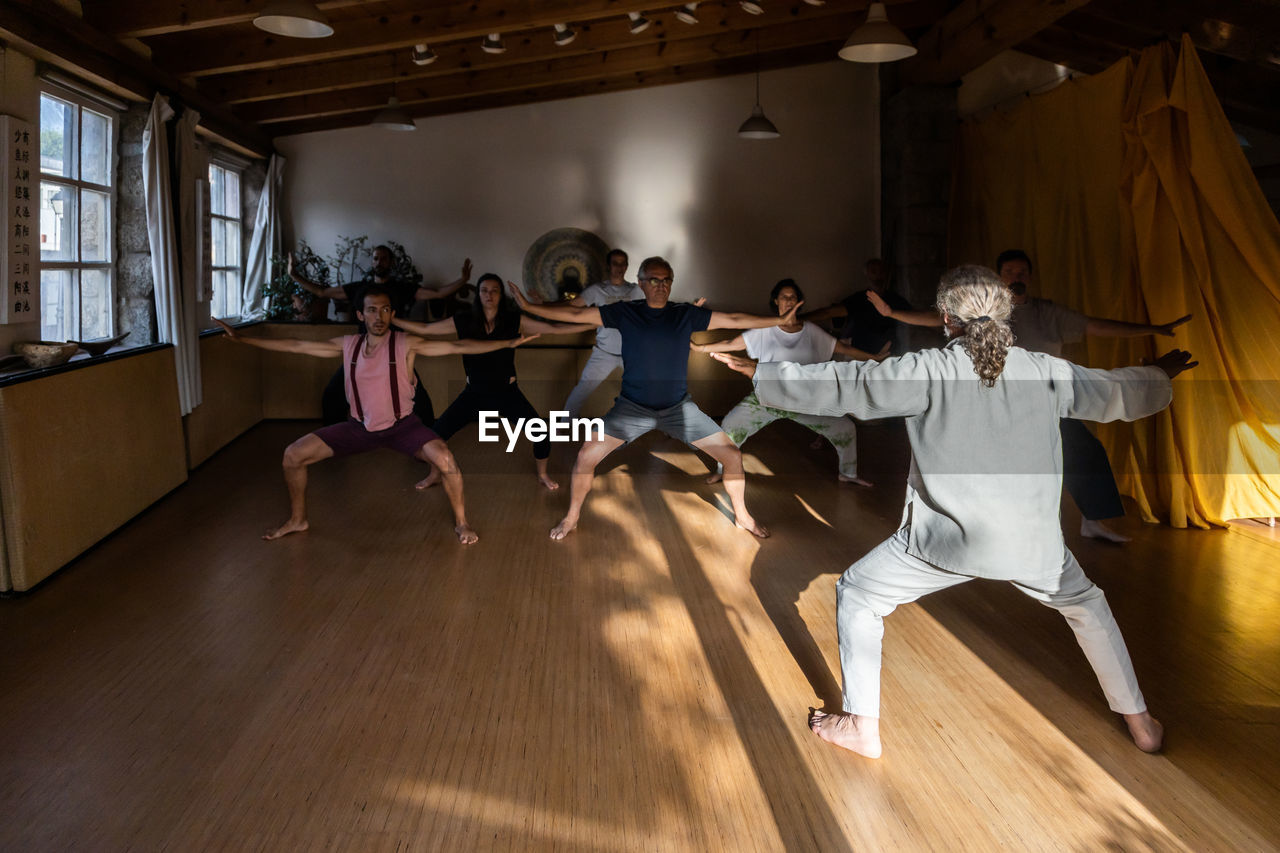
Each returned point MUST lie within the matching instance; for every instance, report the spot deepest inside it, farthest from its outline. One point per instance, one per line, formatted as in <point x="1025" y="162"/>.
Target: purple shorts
<point x="407" y="435"/>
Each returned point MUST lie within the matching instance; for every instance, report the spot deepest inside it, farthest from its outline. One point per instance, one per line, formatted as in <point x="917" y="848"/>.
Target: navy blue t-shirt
<point x="655" y="348"/>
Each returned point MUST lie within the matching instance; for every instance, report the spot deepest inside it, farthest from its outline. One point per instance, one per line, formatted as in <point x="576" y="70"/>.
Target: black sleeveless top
<point x="489" y="368"/>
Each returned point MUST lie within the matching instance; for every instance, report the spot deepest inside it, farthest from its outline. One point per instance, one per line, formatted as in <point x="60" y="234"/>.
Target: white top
<point x="605" y="293"/>
<point x="986" y="463"/>
<point x="808" y="346"/>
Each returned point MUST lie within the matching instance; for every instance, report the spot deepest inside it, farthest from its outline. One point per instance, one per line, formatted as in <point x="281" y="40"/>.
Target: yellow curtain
<point x="1130" y="192"/>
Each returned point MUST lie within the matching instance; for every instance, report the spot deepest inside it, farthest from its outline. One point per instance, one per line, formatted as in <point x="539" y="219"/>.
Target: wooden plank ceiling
<point x="269" y="85"/>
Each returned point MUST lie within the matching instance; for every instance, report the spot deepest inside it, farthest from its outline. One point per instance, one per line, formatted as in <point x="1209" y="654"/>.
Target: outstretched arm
<point x="738" y="320"/>
<point x="1121" y="329"/>
<point x="542" y="327"/>
<point x="467" y="347"/>
<point x="1126" y="393"/>
<point x="831" y="311"/>
<point x="321" y="349"/>
<point x="313" y="288"/>
<point x="859" y="355"/>
<point x="731" y="345"/>
<point x="447" y="289"/>
<point x="911" y="318"/>
<point x="439" y="327"/>
<point x="585" y="314"/>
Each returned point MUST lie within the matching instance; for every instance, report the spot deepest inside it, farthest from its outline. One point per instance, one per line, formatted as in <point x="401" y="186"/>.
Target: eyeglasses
<point x="653" y="279"/>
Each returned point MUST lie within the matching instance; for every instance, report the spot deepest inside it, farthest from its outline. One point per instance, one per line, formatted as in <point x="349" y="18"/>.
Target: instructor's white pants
<point x="888" y="576"/>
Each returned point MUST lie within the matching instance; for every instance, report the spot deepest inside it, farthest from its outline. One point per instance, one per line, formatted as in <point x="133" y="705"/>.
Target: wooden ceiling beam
<point x="243" y="47"/>
<point x="661" y="77"/>
<point x="142" y="18"/>
<point x="49" y="32"/>
<point x="600" y="37"/>
<point x="1248" y="31"/>
<point x="583" y="68"/>
<point x="977" y="30"/>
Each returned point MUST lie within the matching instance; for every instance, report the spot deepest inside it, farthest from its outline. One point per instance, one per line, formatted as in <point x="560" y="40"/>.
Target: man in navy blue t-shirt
<point x="655" y="393"/>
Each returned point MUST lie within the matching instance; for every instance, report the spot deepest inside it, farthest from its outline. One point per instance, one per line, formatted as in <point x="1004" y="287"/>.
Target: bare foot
<point x="285" y="529"/>
<point x="1098" y="530"/>
<point x="857" y="734"/>
<point x="466" y="535"/>
<point x="714" y="478"/>
<point x="430" y="480"/>
<point x="1146" y="731"/>
<point x="564" y="528"/>
<point x="550" y="484"/>
<point x="752" y="526"/>
<point x="857" y="481"/>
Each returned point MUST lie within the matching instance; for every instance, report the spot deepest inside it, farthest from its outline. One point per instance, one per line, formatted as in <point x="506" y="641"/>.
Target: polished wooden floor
<point x="371" y="685"/>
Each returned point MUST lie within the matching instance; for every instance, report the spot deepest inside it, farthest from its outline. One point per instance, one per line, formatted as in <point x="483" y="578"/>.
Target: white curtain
<point x="265" y="243"/>
<point x="175" y="306"/>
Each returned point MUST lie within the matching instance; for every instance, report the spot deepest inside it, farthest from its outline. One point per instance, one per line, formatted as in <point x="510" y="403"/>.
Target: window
<point x="77" y="203"/>
<point x="224" y="242"/>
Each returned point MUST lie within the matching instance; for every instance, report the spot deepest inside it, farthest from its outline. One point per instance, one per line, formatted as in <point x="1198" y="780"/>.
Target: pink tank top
<point x="379" y="387"/>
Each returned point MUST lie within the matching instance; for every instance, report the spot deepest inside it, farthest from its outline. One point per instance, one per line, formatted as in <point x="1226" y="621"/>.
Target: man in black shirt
<point x="333" y="403"/>
<point x="864" y="327"/>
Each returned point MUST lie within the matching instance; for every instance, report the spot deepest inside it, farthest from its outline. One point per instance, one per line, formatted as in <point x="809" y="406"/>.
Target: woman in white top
<point x="801" y="343"/>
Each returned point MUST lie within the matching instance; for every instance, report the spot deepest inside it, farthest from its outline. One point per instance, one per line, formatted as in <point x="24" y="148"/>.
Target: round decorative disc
<point x="564" y="261"/>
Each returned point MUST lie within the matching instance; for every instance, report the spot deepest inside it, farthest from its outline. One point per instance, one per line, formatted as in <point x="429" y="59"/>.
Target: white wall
<point x="655" y="171"/>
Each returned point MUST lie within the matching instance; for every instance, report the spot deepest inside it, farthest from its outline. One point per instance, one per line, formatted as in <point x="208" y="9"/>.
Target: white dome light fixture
<point x="423" y="54"/>
<point x="299" y="19"/>
<point x="750" y="7"/>
<point x="686" y="14"/>
<point x="758" y="126"/>
<point x="877" y="40"/>
<point x="493" y="44"/>
<point x="393" y="117"/>
<point x="564" y="35"/>
<point x="639" y="23"/>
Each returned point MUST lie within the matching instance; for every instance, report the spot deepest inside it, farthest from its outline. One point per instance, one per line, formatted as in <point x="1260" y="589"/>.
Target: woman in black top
<point x="491" y="381"/>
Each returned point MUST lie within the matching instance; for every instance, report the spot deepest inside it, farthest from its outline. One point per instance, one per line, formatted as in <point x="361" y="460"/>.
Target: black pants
<point x="1086" y="472"/>
<point x="507" y="400"/>
<point x="334" y="408"/>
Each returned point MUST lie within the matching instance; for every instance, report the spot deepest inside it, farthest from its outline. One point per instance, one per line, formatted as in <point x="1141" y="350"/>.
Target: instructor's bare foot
<point x="290" y="526"/>
<point x="854" y="733"/>
<point x="1146" y="731"/>
<point x="430" y="480"/>
<point x="564" y="528"/>
<point x="1098" y="530"/>
<point x="849" y="730"/>
<point x="714" y="478"/>
<point x="749" y="524"/>
<point x="857" y="481"/>
<point x="466" y="535"/>
<point x="549" y="484"/>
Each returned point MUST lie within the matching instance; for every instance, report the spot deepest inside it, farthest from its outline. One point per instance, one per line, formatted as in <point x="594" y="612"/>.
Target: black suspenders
<point x="391" y="372"/>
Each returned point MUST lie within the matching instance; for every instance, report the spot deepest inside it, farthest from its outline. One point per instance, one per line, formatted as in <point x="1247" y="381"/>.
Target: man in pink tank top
<point x="380" y="383"/>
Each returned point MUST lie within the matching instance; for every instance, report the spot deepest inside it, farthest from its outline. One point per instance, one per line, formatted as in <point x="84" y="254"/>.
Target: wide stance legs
<point x="888" y="576"/>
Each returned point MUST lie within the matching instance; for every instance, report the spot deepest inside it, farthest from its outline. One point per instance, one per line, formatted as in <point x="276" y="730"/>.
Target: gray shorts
<point x="684" y="421"/>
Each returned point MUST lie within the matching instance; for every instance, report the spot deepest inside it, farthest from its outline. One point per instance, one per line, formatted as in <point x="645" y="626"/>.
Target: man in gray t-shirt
<point x="606" y="355"/>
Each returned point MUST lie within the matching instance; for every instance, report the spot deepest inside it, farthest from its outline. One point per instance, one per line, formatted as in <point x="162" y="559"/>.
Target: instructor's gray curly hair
<point x="975" y="298"/>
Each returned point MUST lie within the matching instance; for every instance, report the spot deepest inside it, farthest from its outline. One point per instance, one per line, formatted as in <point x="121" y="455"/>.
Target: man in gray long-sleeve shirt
<point x="982" y="419"/>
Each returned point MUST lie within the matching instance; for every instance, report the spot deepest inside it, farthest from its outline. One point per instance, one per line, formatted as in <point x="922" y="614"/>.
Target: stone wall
<point x="135" y="292"/>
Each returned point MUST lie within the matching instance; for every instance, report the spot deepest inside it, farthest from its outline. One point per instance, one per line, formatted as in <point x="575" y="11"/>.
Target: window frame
<point x="72" y="325"/>
<point x="228" y="167"/>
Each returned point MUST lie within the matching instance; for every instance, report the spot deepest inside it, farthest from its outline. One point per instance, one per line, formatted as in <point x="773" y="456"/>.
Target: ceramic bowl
<point x="45" y="353"/>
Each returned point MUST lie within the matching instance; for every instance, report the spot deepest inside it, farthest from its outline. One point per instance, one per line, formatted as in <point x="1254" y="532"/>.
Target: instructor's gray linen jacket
<point x="986" y="463"/>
